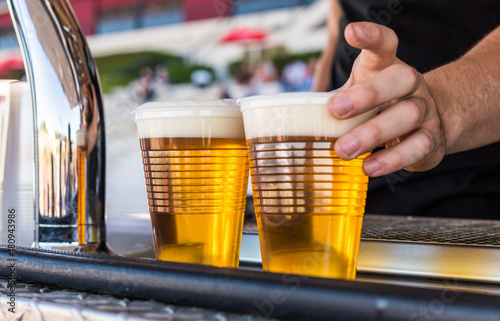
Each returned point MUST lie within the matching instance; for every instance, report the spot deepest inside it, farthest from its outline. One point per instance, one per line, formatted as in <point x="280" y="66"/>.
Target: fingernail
<point x="359" y="32"/>
<point x="342" y="104"/>
<point x="371" y="166"/>
<point x="349" y="144"/>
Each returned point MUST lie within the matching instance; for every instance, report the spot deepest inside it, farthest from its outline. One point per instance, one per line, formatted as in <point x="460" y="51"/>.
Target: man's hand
<point x="408" y="122"/>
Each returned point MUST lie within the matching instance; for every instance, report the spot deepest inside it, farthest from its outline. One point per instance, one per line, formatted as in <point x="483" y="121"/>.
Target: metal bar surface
<point x="274" y="295"/>
<point x="461" y="249"/>
<point x="464" y="262"/>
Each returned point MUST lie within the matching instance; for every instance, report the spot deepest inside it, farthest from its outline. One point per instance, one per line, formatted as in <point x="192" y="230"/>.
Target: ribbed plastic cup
<point x="309" y="203"/>
<point x="196" y="169"/>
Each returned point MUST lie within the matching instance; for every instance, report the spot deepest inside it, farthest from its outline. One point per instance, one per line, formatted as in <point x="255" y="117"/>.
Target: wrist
<point x="436" y="81"/>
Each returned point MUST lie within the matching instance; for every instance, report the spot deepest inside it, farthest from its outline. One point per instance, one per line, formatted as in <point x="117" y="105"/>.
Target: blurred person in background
<point x="294" y="76"/>
<point x="311" y="65"/>
<point x="161" y="82"/>
<point x="144" y="86"/>
<point x="439" y="96"/>
<point x="245" y="80"/>
<point x="265" y="71"/>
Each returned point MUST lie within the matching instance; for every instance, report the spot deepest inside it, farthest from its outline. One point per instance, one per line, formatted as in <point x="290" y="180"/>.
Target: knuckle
<point x="387" y="33"/>
<point x="415" y="111"/>
<point x="368" y="93"/>
<point x="372" y="133"/>
<point x="411" y="77"/>
<point x="425" y="142"/>
<point x="395" y="159"/>
<point x="400" y="159"/>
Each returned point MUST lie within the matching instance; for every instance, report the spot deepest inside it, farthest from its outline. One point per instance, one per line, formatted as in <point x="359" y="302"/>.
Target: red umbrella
<point x="245" y="36"/>
<point x="11" y="63"/>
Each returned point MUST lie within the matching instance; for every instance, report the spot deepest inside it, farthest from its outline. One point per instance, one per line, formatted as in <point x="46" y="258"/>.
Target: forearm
<point x="467" y="96"/>
<point x="323" y="68"/>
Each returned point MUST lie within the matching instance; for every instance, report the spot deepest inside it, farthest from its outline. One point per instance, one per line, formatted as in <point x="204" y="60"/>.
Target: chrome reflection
<point x="68" y="126"/>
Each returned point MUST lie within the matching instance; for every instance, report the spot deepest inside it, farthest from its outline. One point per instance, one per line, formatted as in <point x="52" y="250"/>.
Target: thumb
<point x="378" y="46"/>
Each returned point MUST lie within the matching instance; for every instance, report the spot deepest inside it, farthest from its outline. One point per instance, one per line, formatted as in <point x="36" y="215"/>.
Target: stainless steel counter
<point x="425" y="269"/>
<point x="419" y="247"/>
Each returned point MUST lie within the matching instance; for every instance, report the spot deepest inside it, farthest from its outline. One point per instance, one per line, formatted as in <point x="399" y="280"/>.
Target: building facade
<point x="108" y="16"/>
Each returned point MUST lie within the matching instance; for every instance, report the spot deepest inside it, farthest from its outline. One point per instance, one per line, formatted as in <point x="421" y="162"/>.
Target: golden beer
<point x="309" y="203"/>
<point x="196" y="188"/>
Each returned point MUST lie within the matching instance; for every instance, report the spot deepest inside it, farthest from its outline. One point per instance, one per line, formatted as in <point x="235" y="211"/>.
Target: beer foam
<point x="204" y="118"/>
<point x="294" y="114"/>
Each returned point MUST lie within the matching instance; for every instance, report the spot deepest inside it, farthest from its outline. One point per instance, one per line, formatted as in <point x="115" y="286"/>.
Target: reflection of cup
<point x="196" y="168"/>
<point x="16" y="164"/>
<point x="309" y="203"/>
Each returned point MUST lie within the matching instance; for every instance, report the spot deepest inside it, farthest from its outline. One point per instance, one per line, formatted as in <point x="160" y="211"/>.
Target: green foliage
<point x="234" y="67"/>
<point x="181" y="73"/>
<point x="121" y="69"/>
<point x="281" y="59"/>
<point x="133" y="62"/>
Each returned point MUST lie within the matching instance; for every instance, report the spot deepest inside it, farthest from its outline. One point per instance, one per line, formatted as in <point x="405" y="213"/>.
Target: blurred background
<point x="179" y="49"/>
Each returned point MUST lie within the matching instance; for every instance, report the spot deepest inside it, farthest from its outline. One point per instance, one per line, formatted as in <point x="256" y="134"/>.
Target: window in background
<point x="162" y="13"/>
<point x="249" y="6"/>
<point x="8" y="39"/>
<point x="117" y="20"/>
